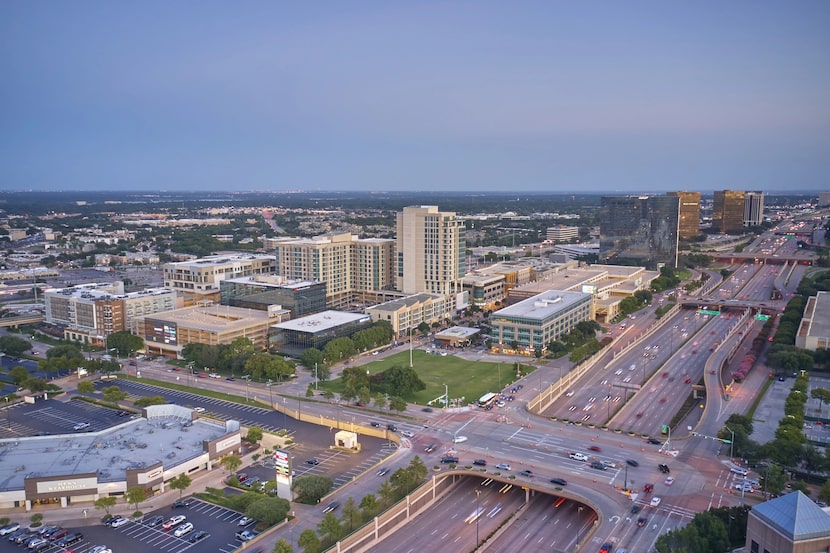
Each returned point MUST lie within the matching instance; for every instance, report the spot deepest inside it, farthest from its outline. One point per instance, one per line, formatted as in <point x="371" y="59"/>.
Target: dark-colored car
<point x="449" y="459"/>
<point x="391" y="427"/>
<point x="664" y="468"/>
<point x="559" y="481"/>
<point x="641" y="521"/>
<point x="155" y="521"/>
<point x="632" y="463"/>
<point x="70" y="539"/>
<point x="480" y="462"/>
<point x="597" y="465"/>
<point x="595" y="448"/>
<point x="198" y="536"/>
<point x="427" y="409"/>
<point x="182" y="503"/>
<point x="654" y="441"/>
<point x="606" y="548"/>
<point x="527" y="473"/>
<point x="636" y="509"/>
<point x="313" y="461"/>
<point x="430" y="448"/>
<point x="331" y="507"/>
<point x="375" y="424"/>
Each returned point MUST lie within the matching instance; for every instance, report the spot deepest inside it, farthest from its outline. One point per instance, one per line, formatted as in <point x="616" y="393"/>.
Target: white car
<point x="199" y="409"/>
<point x="185" y="528"/>
<point x="81" y="426"/>
<point x="655" y="501"/>
<point x="100" y="549"/>
<point x="245" y="521"/>
<point x="407" y="433"/>
<point x="503" y="466"/>
<point x="118" y="522"/>
<point x="459" y="439"/>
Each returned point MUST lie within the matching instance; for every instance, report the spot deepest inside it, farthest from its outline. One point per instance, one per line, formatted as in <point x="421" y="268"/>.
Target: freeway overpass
<point x="802" y="257"/>
<point x="18" y="320"/>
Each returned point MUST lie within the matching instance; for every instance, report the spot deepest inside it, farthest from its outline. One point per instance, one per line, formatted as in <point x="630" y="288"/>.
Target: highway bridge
<point x="18" y="320"/>
<point x="801" y="257"/>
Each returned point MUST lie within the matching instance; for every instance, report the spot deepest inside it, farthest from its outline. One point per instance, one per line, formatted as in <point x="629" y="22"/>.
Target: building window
<point x="753" y="547"/>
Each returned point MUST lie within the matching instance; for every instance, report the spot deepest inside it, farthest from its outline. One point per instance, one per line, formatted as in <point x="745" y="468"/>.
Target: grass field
<point x="468" y="379"/>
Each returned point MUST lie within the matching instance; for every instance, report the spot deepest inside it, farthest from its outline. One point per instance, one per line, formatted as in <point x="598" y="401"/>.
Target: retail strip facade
<point x="167" y="441"/>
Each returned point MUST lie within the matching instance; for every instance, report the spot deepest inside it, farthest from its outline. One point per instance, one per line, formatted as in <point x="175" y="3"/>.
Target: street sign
<point x="761" y="317"/>
<point x="707" y="312"/>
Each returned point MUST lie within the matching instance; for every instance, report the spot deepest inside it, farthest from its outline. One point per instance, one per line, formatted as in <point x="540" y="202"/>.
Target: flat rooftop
<point x="321" y="321"/>
<point x="541" y="306"/>
<point x="134" y="444"/>
<point x="216" y="318"/>
<point x="408" y="301"/>
<point x="458" y="332"/>
<point x="820" y="321"/>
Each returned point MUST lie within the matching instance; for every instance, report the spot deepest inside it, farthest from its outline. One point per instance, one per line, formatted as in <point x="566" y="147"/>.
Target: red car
<point x="595" y="448"/>
<point x="687" y="381"/>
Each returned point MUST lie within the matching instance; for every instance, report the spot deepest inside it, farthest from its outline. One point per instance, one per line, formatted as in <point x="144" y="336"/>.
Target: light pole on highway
<point x="578" y="525"/>
<point x="731" y="443"/>
<point x="478" y="493"/>
<point x="284" y="409"/>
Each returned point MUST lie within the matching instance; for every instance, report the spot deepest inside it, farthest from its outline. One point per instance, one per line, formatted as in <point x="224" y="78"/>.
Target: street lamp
<point x="478" y="493"/>
<point x="315" y="377"/>
<point x="731" y="443"/>
<point x="270" y="393"/>
<point x="578" y="525"/>
<point x="284" y="409"/>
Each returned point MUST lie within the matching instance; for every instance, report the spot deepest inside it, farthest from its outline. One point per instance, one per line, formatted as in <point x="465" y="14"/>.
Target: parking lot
<point x="51" y="417"/>
<point x="140" y="537"/>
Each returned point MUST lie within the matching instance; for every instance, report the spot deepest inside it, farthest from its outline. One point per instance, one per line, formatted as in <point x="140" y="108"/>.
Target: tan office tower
<point x="431" y="250"/>
<point x="753" y="208"/>
<point x="689" y="224"/>
<point x="728" y="211"/>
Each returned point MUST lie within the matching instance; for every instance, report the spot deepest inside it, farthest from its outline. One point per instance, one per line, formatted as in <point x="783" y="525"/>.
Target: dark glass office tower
<point x="641" y="230"/>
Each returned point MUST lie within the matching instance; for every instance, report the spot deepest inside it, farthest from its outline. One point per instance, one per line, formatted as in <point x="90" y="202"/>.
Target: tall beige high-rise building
<point x="728" y="211"/>
<point x="689" y="223"/>
<point x="347" y="264"/>
<point x="431" y="251"/>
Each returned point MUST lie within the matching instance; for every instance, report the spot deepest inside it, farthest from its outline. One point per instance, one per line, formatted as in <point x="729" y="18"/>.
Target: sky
<point x="595" y="96"/>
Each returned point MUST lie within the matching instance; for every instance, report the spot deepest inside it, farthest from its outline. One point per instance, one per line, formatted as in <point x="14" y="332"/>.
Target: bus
<point x="487" y="400"/>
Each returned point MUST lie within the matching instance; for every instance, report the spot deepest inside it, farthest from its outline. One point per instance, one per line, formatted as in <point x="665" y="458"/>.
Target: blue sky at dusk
<point x="595" y="96"/>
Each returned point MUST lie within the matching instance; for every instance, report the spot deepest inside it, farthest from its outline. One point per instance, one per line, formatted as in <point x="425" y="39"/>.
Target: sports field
<point x="467" y="379"/>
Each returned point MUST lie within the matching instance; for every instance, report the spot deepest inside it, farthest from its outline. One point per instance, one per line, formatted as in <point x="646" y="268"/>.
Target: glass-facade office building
<point x="641" y="230"/>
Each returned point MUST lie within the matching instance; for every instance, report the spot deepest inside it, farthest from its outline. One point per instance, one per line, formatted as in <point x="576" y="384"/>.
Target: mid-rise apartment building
<point x="430" y="251"/>
<point x="562" y="233"/>
<point x="198" y="280"/>
<point x="89" y="313"/>
<point x="349" y="266"/>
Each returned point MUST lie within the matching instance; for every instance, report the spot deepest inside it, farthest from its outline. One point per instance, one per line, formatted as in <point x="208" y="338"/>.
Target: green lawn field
<point x="467" y="379"/>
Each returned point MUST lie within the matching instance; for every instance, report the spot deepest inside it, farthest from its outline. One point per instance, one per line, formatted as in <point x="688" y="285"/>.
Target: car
<point x="459" y="439"/>
<point x="664" y="468"/>
<point x="155" y="521"/>
<point x="80" y="426"/>
<point x="313" y="461"/>
<point x="641" y="521"/>
<point x="123" y="414"/>
<point x="242" y="476"/>
<point x="9" y="528"/>
<point x="185" y="528"/>
<point x="391" y="427"/>
<point x="71" y="539"/>
<point x="100" y="549"/>
<point x="687" y="381"/>
<point x="230" y="378"/>
<point x="245" y="535"/>
<point x="632" y="463"/>
<point x="57" y="534"/>
<point x="407" y="433"/>
<point x="527" y="473"/>
<point x="669" y="481"/>
<point x="331" y="507"/>
<point x="214" y="375"/>
<point x="595" y="448"/>
<point x="199" y="409"/>
<point x="383" y="472"/>
<point x="427" y="409"/>
<point x="480" y="462"/>
<point x="430" y="448"/>
<point x="375" y="424"/>
<point x="739" y="470"/>
<point x="117" y="522"/>
<point x="503" y="466"/>
<point x="578" y="456"/>
<point x="182" y="503"/>
<point x="635" y="509"/>
<point x="174" y="521"/>
<point x="21" y="535"/>
<point x="449" y="459"/>
<point x="655" y="501"/>
<point x="38" y="543"/>
<point x="202" y="375"/>
<point x="606" y="547"/>
<point x="609" y="464"/>
<point x="654" y="441"/>
<point x="559" y="481"/>
<point x="198" y="536"/>
<point x="597" y="465"/>
<point x="648" y="488"/>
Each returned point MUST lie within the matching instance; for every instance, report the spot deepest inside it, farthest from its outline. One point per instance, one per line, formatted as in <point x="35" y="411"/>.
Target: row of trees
<point x="353" y="514"/>
<point x="240" y="357"/>
<point x="335" y="351"/>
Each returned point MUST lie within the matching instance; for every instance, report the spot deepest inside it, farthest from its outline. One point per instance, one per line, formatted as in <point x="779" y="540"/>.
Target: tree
<point x="309" y="541"/>
<point x="254" y="435"/>
<point x="282" y="546"/>
<point x="369" y="505"/>
<point x="423" y="328"/>
<point x="774" y="480"/>
<point x="14" y="346"/>
<point x="19" y="374"/>
<point x="352" y="514"/>
<point x="105" y="503"/>
<point x="824" y="492"/>
<point x="69" y="351"/>
<point x="821" y="394"/>
<point x="114" y="394"/>
<point x="397" y="403"/>
<point x="180" y="482"/>
<point x="147" y="401"/>
<point x="230" y="462"/>
<point x="124" y="343"/>
<point x="86" y="387"/>
<point x="310" y="357"/>
<point x="268" y="510"/>
<point x="310" y="489"/>
<point x="135" y="495"/>
<point x="34" y="385"/>
<point x="330" y="527"/>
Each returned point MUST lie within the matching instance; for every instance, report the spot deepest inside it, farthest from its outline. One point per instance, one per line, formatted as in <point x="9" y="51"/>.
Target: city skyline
<point x="632" y="98"/>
